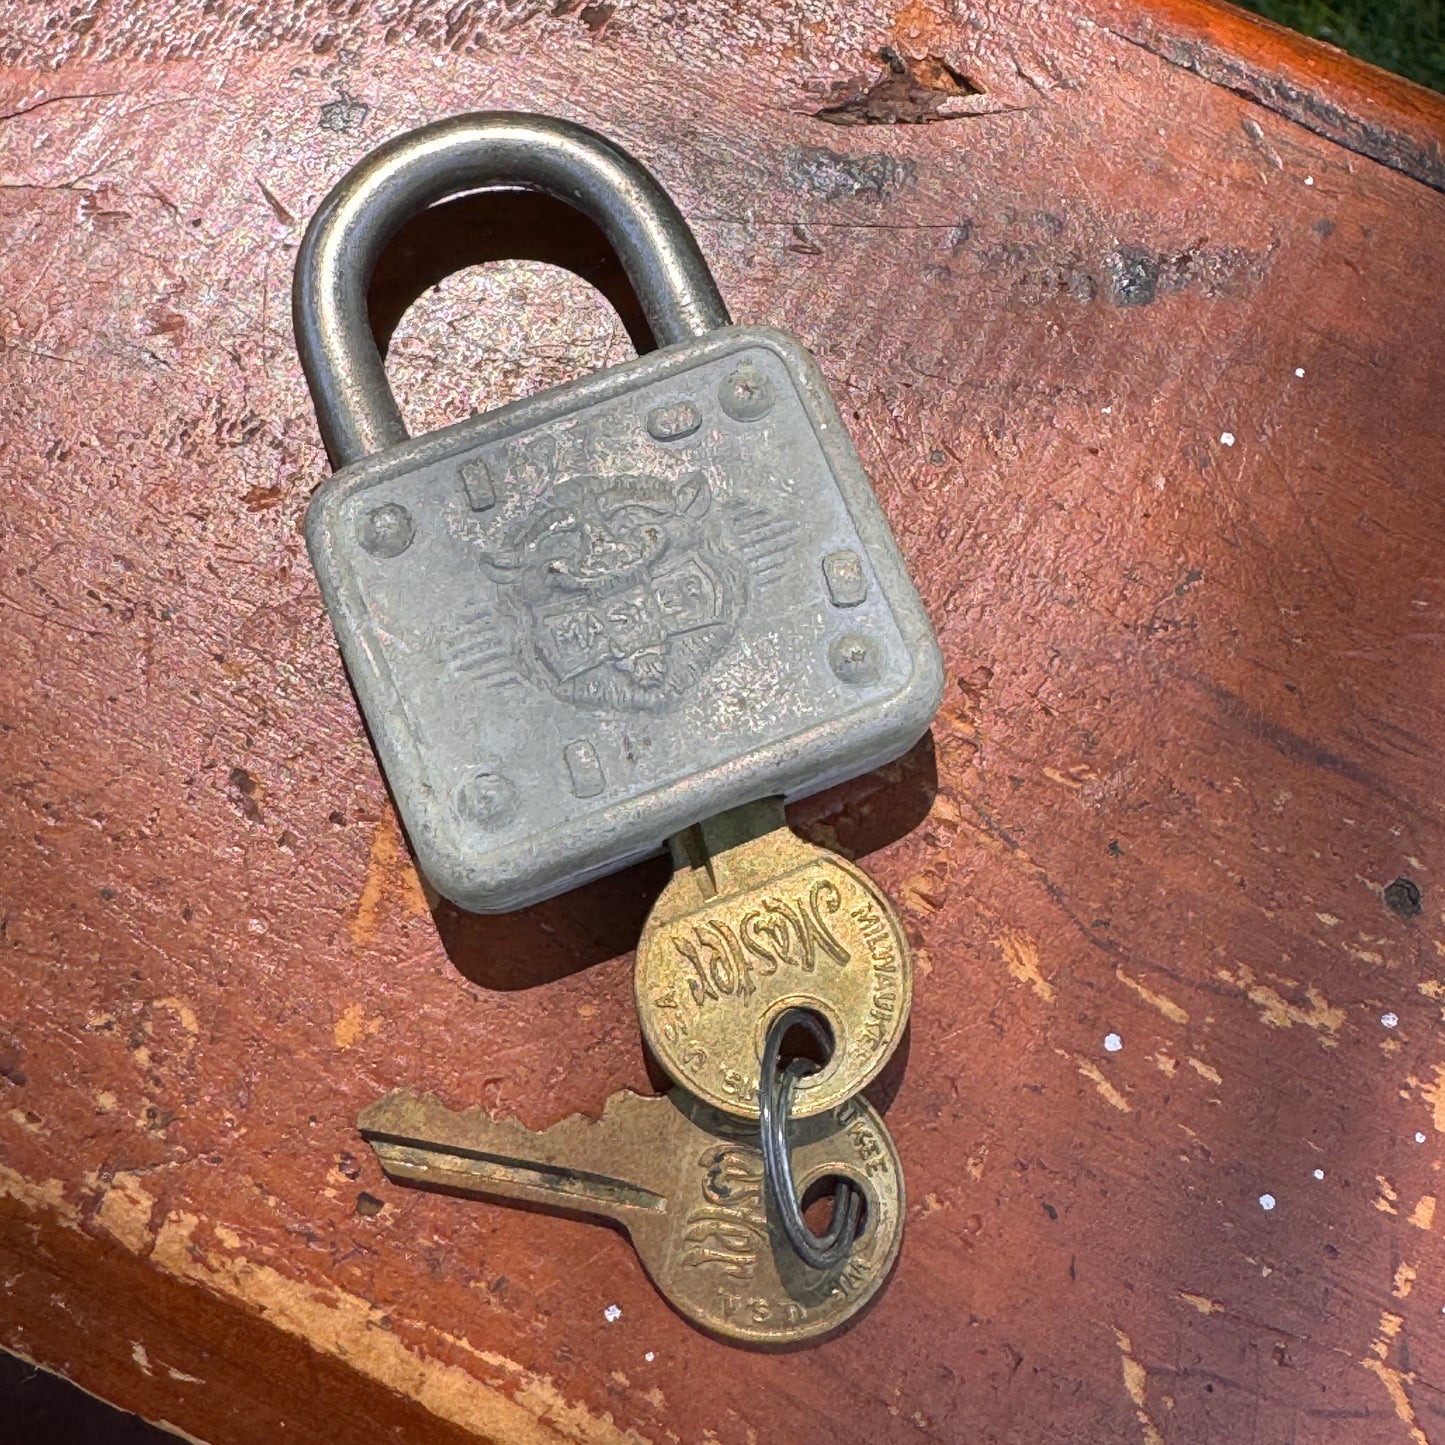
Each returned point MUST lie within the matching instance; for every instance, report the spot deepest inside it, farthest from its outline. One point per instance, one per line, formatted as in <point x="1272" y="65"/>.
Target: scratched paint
<point x="1174" y="1012"/>
<point x="1095" y="1076"/>
<point x="1136" y="1381"/>
<point x="1433" y="989"/>
<point x="125" y="1211"/>
<point x="1278" y="1012"/>
<point x="1202" y="1303"/>
<point x="353" y="1026"/>
<point x="390" y="876"/>
<point x="1021" y="958"/>
<point x="1432" y="1091"/>
<point x="1394" y="1380"/>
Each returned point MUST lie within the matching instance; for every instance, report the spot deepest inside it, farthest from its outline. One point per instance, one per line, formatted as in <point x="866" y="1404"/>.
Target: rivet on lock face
<point x="477" y="483"/>
<point x="856" y="659"/>
<point x="746" y="394"/>
<point x="673" y="422"/>
<point x="845" y="578"/>
<point x="387" y="531"/>
<point x="486" y="800"/>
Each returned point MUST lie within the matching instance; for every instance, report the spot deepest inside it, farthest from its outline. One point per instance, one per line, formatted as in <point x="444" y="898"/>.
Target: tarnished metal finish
<point x="354" y="404"/>
<point x="755" y="922"/>
<point x="780" y="1081"/>
<point x="571" y="640"/>
<point x="686" y="1183"/>
<point x="582" y="622"/>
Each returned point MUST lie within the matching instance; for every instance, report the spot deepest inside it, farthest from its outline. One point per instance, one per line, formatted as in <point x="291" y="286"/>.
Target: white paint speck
<point x="649" y="1357"/>
<point x="1107" y="410"/>
<point x="1419" y="1137"/>
<point x="1266" y="1202"/>
<point x="1113" y="1043"/>
<point x="1309" y="180"/>
<point x="612" y="1314"/>
<point x="1319" y="1173"/>
<point x="1226" y="438"/>
<point x="1389" y="1020"/>
<point x="1299" y="371"/>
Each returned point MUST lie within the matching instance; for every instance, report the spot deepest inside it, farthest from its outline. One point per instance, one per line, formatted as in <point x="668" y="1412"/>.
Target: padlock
<point x="592" y="618"/>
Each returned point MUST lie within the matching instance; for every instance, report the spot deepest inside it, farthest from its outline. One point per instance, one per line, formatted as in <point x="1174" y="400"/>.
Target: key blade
<point x="570" y="1166"/>
<point x="721" y="854"/>
<point x="490" y="1176"/>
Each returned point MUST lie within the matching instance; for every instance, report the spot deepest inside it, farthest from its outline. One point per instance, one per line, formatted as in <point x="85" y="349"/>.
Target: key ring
<point x="775" y="1102"/>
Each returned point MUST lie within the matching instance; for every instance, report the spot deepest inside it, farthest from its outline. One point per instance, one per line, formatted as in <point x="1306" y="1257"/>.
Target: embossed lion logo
<point x="626" y="587"/>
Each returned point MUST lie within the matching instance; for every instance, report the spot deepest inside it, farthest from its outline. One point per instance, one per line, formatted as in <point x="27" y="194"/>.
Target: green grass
<point x="1405" y="36"/>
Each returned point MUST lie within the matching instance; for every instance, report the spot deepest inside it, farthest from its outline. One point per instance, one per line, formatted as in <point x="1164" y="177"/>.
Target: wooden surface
<point x="1148" y="375"/>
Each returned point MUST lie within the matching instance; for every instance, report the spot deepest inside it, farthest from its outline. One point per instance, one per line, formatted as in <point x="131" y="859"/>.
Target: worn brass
<point x="755" y="921"/>
<point x="686" y="1184"/>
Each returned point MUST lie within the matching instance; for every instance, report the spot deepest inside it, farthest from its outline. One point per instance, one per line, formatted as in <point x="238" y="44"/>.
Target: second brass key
<point x="686" y="1183"/>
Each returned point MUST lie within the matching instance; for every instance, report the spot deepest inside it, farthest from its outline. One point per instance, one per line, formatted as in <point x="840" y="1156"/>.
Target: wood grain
<point x="1148" y="377"/>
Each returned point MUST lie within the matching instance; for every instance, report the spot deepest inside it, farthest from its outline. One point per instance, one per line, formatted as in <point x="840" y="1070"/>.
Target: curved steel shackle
<point x="354" y="403"/>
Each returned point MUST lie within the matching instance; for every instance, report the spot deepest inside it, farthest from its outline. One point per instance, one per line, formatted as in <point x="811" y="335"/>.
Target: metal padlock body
<point x="585" y="621"/>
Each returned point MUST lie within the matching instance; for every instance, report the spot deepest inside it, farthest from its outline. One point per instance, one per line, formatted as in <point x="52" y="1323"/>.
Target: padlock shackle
<point x="364" y="210"/>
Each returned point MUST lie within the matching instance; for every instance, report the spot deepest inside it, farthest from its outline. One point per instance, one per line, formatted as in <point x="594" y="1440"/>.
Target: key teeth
<point x="407" y="1113"/>
<point x="396" y="1107"/>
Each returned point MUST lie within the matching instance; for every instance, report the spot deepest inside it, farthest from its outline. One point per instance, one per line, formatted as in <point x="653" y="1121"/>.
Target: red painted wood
<point x="1191" y="603"/>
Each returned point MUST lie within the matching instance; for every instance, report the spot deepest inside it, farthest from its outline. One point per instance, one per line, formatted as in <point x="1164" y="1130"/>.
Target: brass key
<point x="686" y="1184"/>
<point x="756" y="921"/>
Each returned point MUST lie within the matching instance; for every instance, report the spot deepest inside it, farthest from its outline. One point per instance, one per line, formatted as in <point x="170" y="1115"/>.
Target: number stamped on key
<point x="756" y="921"/>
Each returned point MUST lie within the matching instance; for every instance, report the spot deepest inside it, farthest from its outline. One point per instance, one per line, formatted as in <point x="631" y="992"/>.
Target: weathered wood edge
<point x="1357" y="105"/>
